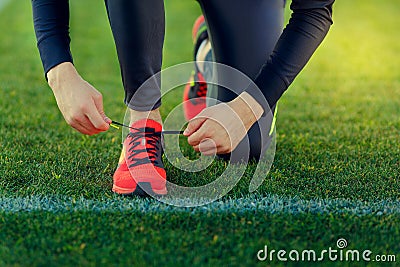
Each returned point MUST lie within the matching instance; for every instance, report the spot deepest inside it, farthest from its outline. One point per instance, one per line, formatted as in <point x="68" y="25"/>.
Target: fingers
<point x="208" y="142"/>
<point x="209" y="132"/>
<point x="194" y="129"/>
<point x="83" y="128"/>
<point x="202" y="132"/>
<point x="194" y="125"/>
<point x="82" y="124"/>
<point x="97" y="120"/>
<point x="88" y="120"/>
<point x="207" y="147"/>
<point x="94" y="120"/>
<point x="98" y="101"/>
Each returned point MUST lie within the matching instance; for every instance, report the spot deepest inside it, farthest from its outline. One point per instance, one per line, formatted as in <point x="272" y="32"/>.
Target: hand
<point x="220" y="128"/>
<point x="79" y="102"/>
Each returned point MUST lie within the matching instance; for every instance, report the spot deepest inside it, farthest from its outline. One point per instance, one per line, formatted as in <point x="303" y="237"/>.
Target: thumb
<point x="194" y="125"/>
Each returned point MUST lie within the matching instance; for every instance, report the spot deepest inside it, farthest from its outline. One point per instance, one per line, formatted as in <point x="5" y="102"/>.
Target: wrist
<point x="60" y="74"/>
<point x="247" y="108"/>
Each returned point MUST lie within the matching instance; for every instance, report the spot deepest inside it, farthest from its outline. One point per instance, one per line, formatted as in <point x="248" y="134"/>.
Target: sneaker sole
<point x="143" y="189"/>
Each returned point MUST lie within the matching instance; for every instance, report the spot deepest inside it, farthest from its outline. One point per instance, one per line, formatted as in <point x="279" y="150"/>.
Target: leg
<point x="138" y="28"/>
<point x="243" y="35"/>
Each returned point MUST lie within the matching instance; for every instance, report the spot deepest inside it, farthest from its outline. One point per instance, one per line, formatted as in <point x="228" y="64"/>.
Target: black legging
<point x="138" y="27"/>
<point x="243" y="36"/>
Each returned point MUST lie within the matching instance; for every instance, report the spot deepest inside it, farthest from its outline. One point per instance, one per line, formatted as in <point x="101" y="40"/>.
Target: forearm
<point x="51" y="22"/>
<point x="306" y="30"/>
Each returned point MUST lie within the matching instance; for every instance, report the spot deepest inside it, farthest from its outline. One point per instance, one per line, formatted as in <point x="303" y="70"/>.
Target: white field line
<point x="271" y="204"/>
<point x="3" y="4"/>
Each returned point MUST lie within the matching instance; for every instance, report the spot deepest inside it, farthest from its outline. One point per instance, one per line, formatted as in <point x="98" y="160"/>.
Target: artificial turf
<point x="338" y="135"/>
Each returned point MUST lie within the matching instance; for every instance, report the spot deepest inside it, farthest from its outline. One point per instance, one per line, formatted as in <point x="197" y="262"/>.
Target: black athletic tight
<point x="243" y="36"/>
<point x="138" y="27"/>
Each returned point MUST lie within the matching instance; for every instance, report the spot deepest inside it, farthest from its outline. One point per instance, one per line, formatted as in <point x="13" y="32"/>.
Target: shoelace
<point x="202" y="91"/>
<point x="115" y="124"/>
<point x="152" y="141"/>
<point x="198" y="90"/>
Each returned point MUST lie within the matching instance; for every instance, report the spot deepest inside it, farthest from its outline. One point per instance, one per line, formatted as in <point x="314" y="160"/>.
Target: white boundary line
<point x="270" y="204"/>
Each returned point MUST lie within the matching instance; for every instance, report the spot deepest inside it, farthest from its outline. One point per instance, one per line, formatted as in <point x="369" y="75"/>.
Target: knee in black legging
<point x="243" y="35"/>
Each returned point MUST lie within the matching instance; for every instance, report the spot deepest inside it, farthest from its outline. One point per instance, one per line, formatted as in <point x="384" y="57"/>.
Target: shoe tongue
<point x="145" y="124"/>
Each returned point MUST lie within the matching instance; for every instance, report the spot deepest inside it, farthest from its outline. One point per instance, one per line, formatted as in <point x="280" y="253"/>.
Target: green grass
<point x="337" y="138"/>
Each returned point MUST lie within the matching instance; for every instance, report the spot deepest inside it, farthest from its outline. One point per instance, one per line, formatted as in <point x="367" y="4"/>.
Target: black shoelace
<point x="114" y="123"/>
<point x="151" y="140"/>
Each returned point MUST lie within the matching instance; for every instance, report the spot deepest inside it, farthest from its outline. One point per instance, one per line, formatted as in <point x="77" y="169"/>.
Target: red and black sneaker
<point x="199" y="31"/>
<point x="140" y="170"/>
<point x="194" y="96"/>
<point x="195" y="92"/>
